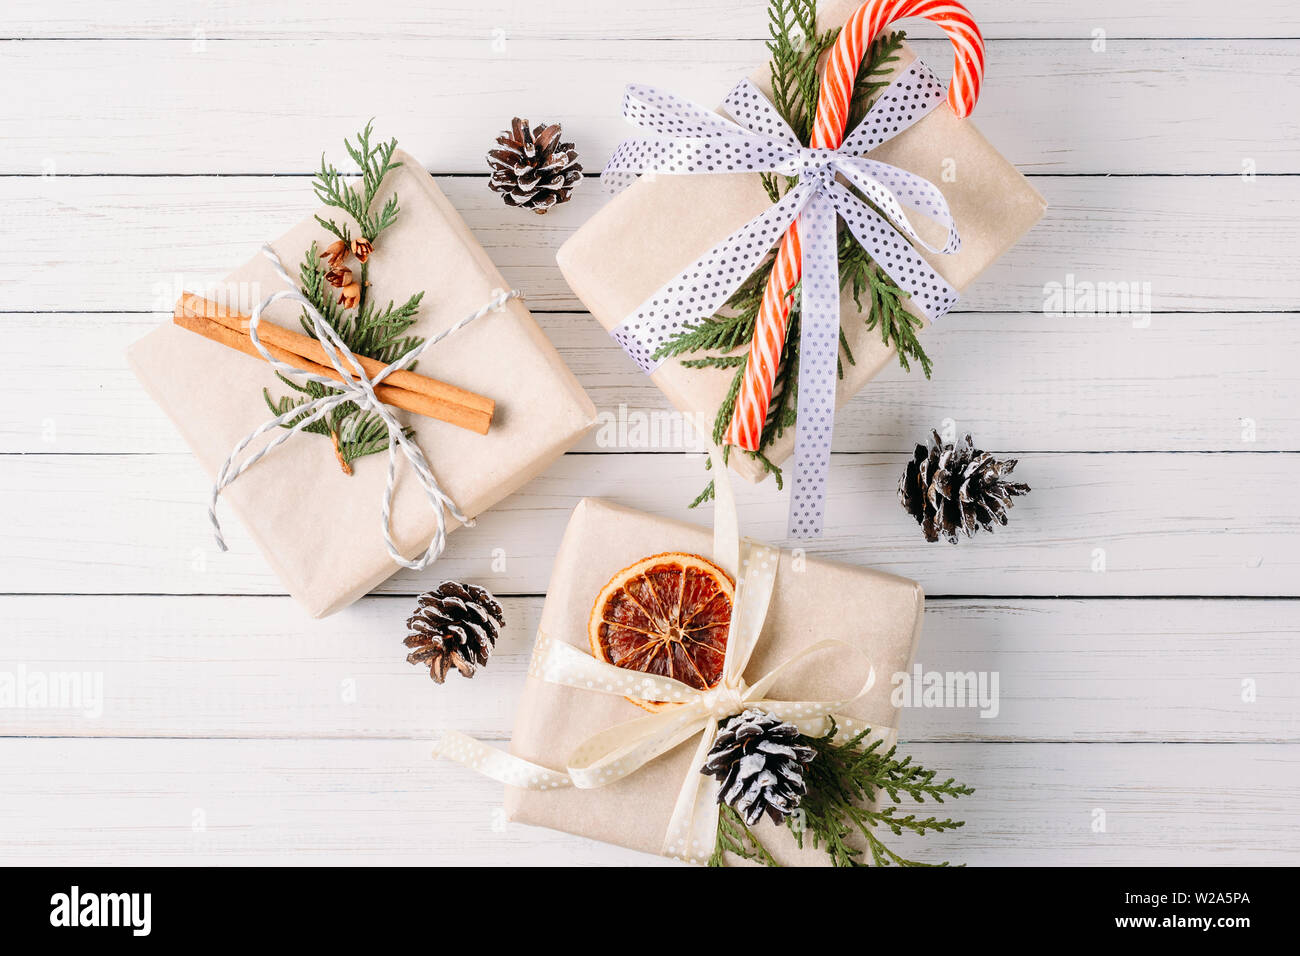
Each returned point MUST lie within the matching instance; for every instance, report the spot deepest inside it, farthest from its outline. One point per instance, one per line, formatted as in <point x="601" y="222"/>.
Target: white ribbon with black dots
<point x="616" y="752"/>
<point x="692" y="140"/>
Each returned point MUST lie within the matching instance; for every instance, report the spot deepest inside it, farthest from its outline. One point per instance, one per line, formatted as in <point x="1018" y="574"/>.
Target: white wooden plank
<point x="1119" y="671"/>
<point x="435" y="20"/>
<point x="1131" y="670"/>
<point x="169" y="94"/>
<point x="345" y="801"/>
<point x="1189" y="382"/>
<point x="1049" y="105"/>
<point x="132" y="243"/>
<point x="1159" y="524"/>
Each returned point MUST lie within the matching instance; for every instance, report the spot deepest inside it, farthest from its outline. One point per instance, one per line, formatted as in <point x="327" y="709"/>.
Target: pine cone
<point x="532" y="168"/>
<point x="957" y="488"/>
<point x="454" y="625"/>
<point x="760" y="762"/>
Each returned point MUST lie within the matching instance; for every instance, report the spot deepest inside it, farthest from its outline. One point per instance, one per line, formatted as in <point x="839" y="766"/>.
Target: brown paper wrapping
<point x="318" y="528"/>
<point x="651" y="231"/>
<point x="878" y="613"/>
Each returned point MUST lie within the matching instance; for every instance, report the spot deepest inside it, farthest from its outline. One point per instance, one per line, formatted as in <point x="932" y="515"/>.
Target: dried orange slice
<point x="666" y="615"/>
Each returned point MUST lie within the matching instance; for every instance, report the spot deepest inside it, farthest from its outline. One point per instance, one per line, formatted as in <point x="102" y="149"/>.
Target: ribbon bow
<point x="621" y="750"/>
<point x="357" y="387"/>
<point x="695" y="140"/>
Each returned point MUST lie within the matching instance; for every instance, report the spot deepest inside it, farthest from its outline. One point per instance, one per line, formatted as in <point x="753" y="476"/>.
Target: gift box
<point x="320" y="529"/>
<point x="654" y="229"/>
<point x="812" y="600"/>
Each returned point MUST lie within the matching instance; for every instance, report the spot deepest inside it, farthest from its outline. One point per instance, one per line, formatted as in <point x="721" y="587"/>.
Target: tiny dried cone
<point x="335" y="252"/>
<point x="957" y="489"/>
<point x="531" y="168"/>
<point x="454" y="625"/>
<point x="339" y="277"/>
<point x="350" y="295"/>
<point x="361" y="248"/>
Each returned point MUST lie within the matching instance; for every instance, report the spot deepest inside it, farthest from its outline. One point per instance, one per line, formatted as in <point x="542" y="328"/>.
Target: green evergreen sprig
<point x="734" y="836"/>
<point x="376" y="333"/>
<point x="844" y="781"/>
<point x="795" y="46"/>
<point x="380" y="333"/>
<point x="333" y="189"/>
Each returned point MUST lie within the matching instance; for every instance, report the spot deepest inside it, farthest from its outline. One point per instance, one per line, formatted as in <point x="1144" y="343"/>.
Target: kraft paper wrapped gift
<point x="657" y="227"/>
<point x="877" y="613"/>
<point x="318" y="528"/>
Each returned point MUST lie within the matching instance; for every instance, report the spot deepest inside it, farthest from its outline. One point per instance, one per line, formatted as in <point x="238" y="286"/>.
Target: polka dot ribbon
<point x="690" y="139"/>
<point x="619" y="751"/>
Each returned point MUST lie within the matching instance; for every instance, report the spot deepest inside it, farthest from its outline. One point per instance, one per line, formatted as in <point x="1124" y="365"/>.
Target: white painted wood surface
<point x="1168" y="524"/>
<point x="122" y="120"/>
<point x="428" y="20"/>
<point x="302" y="801"/>
<point x="153" y="146"/>
<point x="215" y="667"/>
<point x="1185" y="382"/>
<point x="130" y="242"/>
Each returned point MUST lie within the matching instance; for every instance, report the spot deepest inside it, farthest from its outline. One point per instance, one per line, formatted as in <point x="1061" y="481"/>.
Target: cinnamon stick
<point x="434" y="399"/>
<point x="309" y="348"/>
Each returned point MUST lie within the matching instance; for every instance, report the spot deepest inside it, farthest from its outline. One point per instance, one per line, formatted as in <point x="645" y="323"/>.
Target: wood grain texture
<point x="206" y="802"/>
<point x="436" y="20"/>
<point x="1188" y="382"/>
<point x="1067" y="671"/>
<point x="131" y="243"/>
<point x="1048" y="105"/>
<point x="1162" y="524"/>
<point x="234" y="729"/>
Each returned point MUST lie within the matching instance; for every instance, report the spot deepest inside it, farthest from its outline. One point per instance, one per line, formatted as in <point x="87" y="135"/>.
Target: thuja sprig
<point x="795" y="46"/>
<point x="884" y="310"/>
<point x="796" y="50"/>
<point x="781" y="412"/>
<point x="365" y="328"/>
<point x="333" y="189"/>
<point x="845" y="781"/>
<point x="737" y="838"/>
<point x="378" y="334"/>
<point x="875" y="72"/>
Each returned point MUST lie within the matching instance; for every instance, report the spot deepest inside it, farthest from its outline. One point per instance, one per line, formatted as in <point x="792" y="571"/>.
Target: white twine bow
<point x="357" y="387"/>
<point x="700" y="141"/>
<point x="621" y="750"/>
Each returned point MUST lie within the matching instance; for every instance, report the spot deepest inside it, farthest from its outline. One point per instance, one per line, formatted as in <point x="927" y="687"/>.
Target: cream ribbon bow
<point x="621" y="750"/>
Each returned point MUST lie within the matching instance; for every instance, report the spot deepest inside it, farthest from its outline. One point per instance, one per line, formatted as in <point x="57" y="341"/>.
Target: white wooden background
<point x="148" y="144"/>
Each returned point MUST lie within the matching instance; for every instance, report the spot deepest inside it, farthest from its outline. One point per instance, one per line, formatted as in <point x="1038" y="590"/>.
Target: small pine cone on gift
<point x="531" y="168"/>
<point x="952" y="489"/>
<point x="760" y="762"/>
<point x="454" y="625"/>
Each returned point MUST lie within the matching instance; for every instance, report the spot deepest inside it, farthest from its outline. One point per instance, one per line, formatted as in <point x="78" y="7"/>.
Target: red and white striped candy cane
<point x="867" y="22"/>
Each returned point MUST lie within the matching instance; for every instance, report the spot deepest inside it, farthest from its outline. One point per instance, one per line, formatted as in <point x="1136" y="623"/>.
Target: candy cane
<point x="867" y="22"/>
